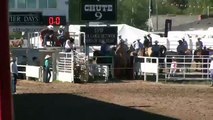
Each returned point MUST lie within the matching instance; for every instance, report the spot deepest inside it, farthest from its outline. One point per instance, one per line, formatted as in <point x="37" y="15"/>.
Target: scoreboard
<point x="54" y="20"/>
<point x="35" y="19"/>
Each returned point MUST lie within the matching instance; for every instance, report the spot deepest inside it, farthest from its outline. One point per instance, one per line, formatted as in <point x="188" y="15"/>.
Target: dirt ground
<point x="124" y="100"/>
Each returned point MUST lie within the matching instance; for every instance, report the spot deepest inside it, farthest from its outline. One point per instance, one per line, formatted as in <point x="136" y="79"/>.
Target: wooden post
<point x="6" y="108"/>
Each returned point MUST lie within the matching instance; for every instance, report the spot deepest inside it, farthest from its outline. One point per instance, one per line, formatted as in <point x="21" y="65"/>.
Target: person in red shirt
<point x="173" y="67"/>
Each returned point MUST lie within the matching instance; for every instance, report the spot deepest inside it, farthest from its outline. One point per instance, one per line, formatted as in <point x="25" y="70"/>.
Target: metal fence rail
<point x="65" y="67"/>
<point x="189" y="67"/>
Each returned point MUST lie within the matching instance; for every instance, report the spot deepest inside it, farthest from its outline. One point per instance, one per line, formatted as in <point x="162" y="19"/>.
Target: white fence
<point x="146" y="65"/>
<point x="189" y="67"/>
<point x="65" y="67"/>
<point x="32" y="71"/>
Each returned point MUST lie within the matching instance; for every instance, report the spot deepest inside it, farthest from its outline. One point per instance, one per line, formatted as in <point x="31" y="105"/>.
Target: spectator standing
<point x="199" y="44"/>
<point x="47" y="71"/>
<point x="14" y="73"/>
<point x="173" y="67"/>
<point x="211" y="70"/>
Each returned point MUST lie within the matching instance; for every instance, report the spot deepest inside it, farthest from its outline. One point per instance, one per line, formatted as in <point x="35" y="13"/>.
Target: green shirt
<point x="47" y="63"/>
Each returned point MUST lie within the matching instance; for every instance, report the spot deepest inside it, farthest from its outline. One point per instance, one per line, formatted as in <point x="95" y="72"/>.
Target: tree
<point x="74" y="11"/>
<point x="133" y="12"/>
<point x="181" y="4"/>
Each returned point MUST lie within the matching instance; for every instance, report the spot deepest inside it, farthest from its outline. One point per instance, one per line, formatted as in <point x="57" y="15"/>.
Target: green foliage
<point x="180" y="4"/>
<point x="193" y="7"/>
<point x="16" y="35"/>
<point x="133" y="12"/>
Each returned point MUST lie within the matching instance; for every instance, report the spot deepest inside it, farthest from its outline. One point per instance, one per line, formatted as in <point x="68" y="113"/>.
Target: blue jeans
<point x="14" y="81"/>
<point x="47" y="75"/>
<point x="211" y="76"/>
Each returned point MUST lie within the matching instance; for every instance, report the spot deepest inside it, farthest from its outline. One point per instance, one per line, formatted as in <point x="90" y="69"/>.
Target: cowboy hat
<point x="156" y="41"/>
<point x="62" y="27"/>
<point x="50" y="27"/>
<point x="47" y="56"/>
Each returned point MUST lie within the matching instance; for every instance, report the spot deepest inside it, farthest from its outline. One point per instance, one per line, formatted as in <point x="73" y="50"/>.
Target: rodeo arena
<point x="78" y="54"/>
<point x="101" y="69"/>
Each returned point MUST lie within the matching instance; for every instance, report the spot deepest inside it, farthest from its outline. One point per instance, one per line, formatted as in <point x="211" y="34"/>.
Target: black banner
<point x="99" y="10"/>
<point x="25" y="18"/>
<point x="95" y="35"/>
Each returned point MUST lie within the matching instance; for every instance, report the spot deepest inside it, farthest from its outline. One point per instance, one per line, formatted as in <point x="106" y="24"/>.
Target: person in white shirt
<point x="211" y="70"/>
<point x="173" y="67"/>
<point x="14" y="73"/>
<point x="69" y="45"/>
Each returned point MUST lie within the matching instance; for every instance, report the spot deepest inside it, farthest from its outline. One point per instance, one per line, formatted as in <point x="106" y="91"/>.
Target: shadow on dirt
<point x="72" y="107"/>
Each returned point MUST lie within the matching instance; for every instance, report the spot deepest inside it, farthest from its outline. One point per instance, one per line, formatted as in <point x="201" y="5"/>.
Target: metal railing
<point x="65" y="66"/>
<point x="105" y="66"/>
<point x="189" y="67"/>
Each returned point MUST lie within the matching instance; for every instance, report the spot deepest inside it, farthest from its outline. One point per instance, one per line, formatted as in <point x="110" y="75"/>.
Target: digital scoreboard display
<point x="54" y="20"/>
<point x="34" y="19"/>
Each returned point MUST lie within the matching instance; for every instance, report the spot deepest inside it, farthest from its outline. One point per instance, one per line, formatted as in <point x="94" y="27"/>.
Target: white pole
<point x="208" y="11"/>
<point x="149" y="16"/>
<point x="156" y="5"/>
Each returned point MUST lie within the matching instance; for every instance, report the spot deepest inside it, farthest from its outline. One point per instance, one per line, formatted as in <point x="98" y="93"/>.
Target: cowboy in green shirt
<point x="47" y="68"/>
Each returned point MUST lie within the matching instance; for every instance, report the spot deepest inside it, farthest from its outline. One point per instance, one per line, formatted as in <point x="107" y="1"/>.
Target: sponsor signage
<point x="25" y="28"/>
<point x="99" y="10"/>
<point x="34" y="19"/>
<point x="95" y="35"/>
<point x="25" y="18"/>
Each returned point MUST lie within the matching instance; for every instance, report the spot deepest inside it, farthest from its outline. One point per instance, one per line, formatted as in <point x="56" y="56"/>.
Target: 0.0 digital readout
<point x="54" y="20"/>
